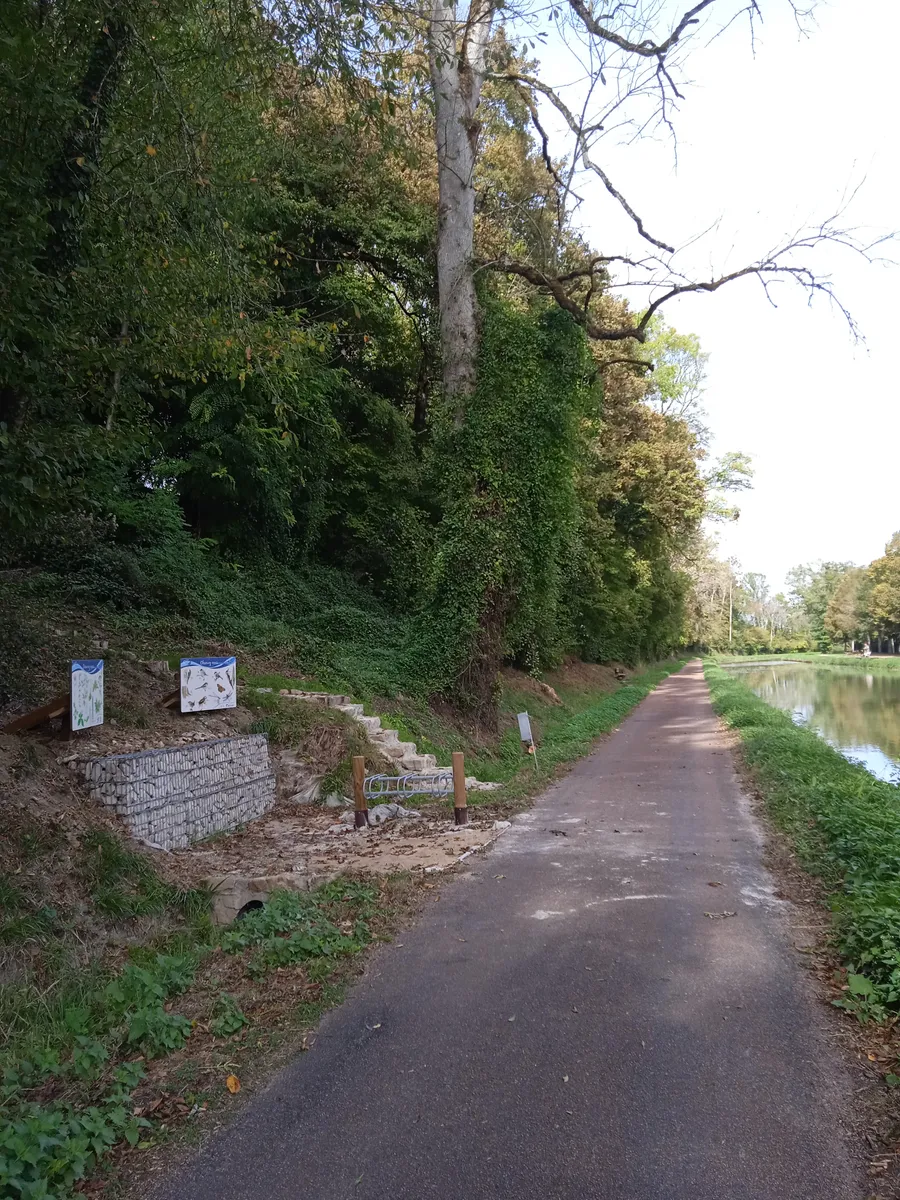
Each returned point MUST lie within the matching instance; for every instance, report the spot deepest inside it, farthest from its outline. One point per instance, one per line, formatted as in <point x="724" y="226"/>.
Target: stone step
<point x="372" y="725"/>
<point x="413" y="763"/>
<point x="352" y="710"/>
<point x="395" y="749"/>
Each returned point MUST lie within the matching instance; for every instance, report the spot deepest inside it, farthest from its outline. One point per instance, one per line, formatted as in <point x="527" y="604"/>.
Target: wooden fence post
<point x="460" y="809"/>
<point x="359" y="796"/>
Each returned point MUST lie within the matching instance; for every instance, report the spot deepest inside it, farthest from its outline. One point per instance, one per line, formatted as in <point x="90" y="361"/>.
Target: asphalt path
<point x="581" y="1016"/>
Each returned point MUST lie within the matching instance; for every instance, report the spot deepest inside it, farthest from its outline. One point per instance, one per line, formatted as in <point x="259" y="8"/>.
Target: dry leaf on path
<point x="233" y="1084"/>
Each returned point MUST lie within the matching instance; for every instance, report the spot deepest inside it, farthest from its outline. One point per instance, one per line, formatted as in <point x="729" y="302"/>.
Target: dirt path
<point x="577" y="1018"/>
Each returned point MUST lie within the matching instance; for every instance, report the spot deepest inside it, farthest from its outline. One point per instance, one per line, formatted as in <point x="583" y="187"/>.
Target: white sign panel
<point x="208" y="683"/>
<point x="87" y="693"/>
<point x="525" y="728"/>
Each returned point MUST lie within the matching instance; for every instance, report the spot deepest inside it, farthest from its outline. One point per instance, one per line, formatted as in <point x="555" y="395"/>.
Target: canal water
<point x="857" y="713"/>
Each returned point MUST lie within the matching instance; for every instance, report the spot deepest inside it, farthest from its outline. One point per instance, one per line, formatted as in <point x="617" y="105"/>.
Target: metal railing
<point x="414" y="784"/>
<point x="439" y="784"/>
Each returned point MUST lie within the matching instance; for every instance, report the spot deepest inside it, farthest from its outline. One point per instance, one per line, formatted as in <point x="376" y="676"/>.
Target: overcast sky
<point x="767" y="143"/>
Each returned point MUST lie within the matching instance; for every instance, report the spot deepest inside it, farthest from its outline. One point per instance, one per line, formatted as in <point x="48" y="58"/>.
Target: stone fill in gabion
<point x="178" y="795"/>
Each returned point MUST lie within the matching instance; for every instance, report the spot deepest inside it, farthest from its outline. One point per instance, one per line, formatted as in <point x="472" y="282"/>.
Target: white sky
<point x="768" y="143"/>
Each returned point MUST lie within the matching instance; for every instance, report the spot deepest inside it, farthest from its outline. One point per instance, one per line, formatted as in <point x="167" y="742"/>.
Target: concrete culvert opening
<point x="249" y="907"/>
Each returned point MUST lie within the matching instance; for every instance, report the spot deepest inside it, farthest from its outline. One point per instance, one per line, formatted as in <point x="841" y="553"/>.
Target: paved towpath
<point x="568" y="1023"/>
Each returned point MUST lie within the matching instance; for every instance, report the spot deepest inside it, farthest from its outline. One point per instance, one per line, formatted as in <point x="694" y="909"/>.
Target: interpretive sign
<point x="87" y="693"/>
<point x="208" y="683"/>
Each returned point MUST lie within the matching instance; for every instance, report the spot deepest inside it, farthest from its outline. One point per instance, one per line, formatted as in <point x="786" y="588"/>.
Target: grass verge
<point x="834" y="662"/>
<point x="845" y="828"/>
<point x="102" y="1060"/>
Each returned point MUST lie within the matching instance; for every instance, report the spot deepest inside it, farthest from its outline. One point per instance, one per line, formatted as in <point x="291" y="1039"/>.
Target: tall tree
<point x="639" y="46"/>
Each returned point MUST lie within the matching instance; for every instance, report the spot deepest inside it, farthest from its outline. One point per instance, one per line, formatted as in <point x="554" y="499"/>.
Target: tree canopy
<point x="223" y="387"/>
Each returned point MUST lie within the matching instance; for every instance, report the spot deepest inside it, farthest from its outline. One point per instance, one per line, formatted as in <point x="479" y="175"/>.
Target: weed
<point x="292" y="928"/>
<point x="227" y="1017"/>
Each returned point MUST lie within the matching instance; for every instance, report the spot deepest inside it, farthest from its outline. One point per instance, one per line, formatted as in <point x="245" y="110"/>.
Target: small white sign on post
<point x="525" y="728"/>
<point x="208" y="683"/>
<point x="87" y="693"/>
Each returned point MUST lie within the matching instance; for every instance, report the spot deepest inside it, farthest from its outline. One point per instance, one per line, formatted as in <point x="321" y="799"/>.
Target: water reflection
<point x="857" y="714"/>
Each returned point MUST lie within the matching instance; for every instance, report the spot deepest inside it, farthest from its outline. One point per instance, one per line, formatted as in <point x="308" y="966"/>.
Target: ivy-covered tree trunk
<point x="70" y="176"/>
<point x="509" y="510"/>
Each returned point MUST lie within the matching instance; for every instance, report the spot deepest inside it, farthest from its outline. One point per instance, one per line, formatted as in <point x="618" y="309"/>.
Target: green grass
<point x="74" y="1052"/>
<point x="835" y="661"/>
<point x="845" y="827"/>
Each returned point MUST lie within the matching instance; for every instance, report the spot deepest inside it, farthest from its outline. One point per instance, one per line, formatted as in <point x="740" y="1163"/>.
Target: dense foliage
<point x="219" y="386"/>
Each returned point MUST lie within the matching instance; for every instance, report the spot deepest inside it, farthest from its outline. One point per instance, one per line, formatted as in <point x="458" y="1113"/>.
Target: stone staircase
<point x="405" y="755"/>
<point x="387" y="741"/>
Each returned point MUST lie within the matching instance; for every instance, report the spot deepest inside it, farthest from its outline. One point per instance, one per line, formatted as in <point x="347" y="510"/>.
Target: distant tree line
<point x="827" y="605"/>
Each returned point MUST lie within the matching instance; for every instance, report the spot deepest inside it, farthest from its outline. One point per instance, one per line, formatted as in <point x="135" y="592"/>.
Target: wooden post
<point x="359" y="795"/>
<point x="460" y="809"/>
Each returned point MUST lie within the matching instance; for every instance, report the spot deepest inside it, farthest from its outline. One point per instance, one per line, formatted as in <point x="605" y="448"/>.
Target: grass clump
<point x="124" y="884"/>
<point x="845" y="827"/>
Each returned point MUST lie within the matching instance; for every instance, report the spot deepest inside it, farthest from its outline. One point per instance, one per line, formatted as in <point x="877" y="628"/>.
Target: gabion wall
<point x="173" y="797"/>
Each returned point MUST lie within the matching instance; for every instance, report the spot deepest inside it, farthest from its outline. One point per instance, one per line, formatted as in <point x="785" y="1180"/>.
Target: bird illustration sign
<point x="208" y="683"/>
<point x="87" y="693"/>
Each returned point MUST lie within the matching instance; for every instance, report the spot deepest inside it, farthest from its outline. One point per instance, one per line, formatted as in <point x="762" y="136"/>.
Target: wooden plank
<point x="37" y="716"/>
<point x="171" y="699"/>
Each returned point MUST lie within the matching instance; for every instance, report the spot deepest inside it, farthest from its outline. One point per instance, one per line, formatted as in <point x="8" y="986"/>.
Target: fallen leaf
<point x="565" y="1079"/>
<point x="233" y="1084"/>
<point x="151" y="151"/>
<point x="714" y="883"/>
<point x="512" y="1018"/>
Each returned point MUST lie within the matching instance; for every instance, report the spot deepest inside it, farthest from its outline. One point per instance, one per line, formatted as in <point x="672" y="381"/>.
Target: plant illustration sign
<point x="87" y="693"/>
<point x="208" y="683"/>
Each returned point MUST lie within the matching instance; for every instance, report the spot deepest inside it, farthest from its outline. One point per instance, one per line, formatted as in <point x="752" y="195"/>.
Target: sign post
<point x="526" y="736"/>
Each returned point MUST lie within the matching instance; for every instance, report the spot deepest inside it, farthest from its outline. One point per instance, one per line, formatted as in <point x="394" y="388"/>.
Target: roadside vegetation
<point x="125" y="1016"/>
<point x="844" y="826"/>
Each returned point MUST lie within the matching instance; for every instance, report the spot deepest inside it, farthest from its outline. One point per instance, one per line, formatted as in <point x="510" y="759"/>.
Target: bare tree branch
<point x="780" y="264"/>
<point x="581" y="135"/>
<point x="646" y="49"/>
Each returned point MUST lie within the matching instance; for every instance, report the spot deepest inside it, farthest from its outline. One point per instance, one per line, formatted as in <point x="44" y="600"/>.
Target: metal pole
<point x="460" y="808"/>
<point x="730" y="609"/>
<point x="359" y="795"/>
